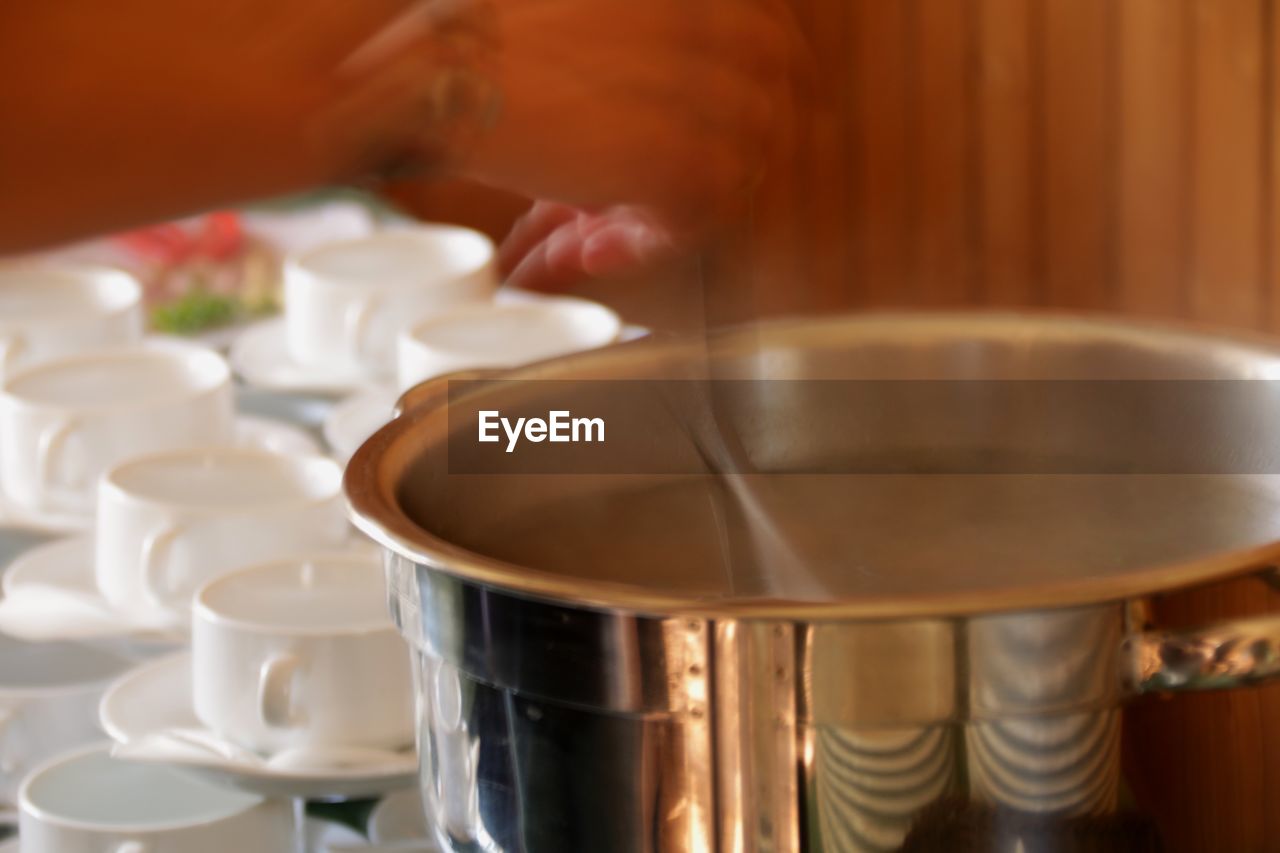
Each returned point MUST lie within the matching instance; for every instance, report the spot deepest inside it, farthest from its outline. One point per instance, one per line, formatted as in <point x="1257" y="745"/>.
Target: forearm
<point x="99" y="136"/>
<point x="72" y="176"/>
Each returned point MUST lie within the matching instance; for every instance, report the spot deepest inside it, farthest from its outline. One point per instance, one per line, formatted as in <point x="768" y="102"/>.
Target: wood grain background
<point x="1115" y="155"/>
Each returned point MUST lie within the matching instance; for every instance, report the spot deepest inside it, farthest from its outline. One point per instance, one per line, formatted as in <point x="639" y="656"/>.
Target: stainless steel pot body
<point x="595" y="709"/>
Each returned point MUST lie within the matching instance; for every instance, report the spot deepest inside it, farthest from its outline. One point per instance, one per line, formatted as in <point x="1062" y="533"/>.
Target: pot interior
<point x="881" y="459"/>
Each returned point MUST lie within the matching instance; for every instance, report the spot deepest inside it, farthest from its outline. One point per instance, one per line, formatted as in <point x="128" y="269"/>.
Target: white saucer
<point x="251" y="431"/>
<point x="321" y="837"/>
<point x="155" y="698"/>
<point x="260" y="356"/>
<point x="356" y="418"/>
<point x="51" y="593"/>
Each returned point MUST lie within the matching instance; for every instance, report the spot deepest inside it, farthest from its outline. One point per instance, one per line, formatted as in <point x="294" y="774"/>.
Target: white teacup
<point x="65" y="422"/>
<point x="89" y="802"/>
<point x="302" y="654"/>
<point x="169" y="522"/>
<point x="345" y="302"/>
<point x="50" y="312"/>
<point x="49" y="694"/>
<point x="501" y="335"/>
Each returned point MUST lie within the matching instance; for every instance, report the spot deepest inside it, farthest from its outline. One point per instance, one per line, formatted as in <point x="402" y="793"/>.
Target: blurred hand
<point x="136" y="111"/>
<point x="648" y="124"/>
<point x="554" y="245"/>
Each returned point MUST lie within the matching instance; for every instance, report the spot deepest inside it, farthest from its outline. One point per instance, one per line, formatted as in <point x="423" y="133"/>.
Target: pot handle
<point x="1227" y="654"/>
<point x="434" y="392"/>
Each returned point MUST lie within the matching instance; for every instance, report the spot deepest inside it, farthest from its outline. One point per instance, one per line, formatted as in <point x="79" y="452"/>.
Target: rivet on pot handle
<point x="1227" y="654"/>
<point x="435" y="391"/>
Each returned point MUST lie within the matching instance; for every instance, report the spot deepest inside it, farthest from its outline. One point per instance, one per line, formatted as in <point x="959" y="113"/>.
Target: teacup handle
<point x="275" y="692"/>
<point x="49" y="450"/>
<point x="11" y="348"/>
<point x="156" y="584"/>
<point x="356" y="326"/>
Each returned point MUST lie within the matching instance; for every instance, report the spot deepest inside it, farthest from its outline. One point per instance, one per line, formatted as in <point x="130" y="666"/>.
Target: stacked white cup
<point x="498" y="334"/>
<point x="501" y="335"/>
<point x="99" y="426"/>
<point x="169" y="522"/>
<point x="302" y="655"/>
<point x="50" y="312"/>
<point x="66" y="422"/>
<point x="345" y="302"/>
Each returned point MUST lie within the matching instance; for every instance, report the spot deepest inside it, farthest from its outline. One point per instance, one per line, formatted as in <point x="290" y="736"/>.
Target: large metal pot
<point x="602" y="668"/>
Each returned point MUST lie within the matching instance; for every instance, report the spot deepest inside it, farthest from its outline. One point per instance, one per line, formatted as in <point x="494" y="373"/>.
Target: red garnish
<point x="216" y="236"/>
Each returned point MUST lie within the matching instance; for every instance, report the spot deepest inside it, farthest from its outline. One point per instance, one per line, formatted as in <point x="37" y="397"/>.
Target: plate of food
<point x="209" y="275"/>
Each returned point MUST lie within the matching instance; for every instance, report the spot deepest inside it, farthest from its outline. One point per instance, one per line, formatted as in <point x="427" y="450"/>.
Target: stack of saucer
<point x="81" y="389"/>
<point x="371" y="317"/>
<point x="296" y="684"/>
<point x="127" y="479"/>
<point x="180" y="520"/>
<point x="166" y="523"/>
<point x="63" y="423"/>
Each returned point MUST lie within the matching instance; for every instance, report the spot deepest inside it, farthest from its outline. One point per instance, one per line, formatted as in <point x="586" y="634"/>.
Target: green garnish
<point x="196" y="311"/>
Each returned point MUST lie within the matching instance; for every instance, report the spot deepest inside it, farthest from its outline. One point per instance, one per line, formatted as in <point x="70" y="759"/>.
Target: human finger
<point x="625" y="246"/>
<point x="552" y="265"/>
<point x="530" y="230"/>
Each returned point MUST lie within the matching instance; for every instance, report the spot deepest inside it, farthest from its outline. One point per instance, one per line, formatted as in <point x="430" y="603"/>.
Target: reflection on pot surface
<point x="624" y="661"/>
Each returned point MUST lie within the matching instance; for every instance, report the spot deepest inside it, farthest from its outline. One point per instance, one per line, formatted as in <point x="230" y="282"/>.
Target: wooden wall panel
<point x="880" y="53"/>
<point x="1076" y="40"/>
<point x="1153" y="151"/>
<point x="1008" y="244"/>
<point x="941" y="131"/>
<point x="1061" y="153"/>
<point x="1271" y="108"/>
<point x="822" y="162"/>
<point x="1226" y="266"/>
